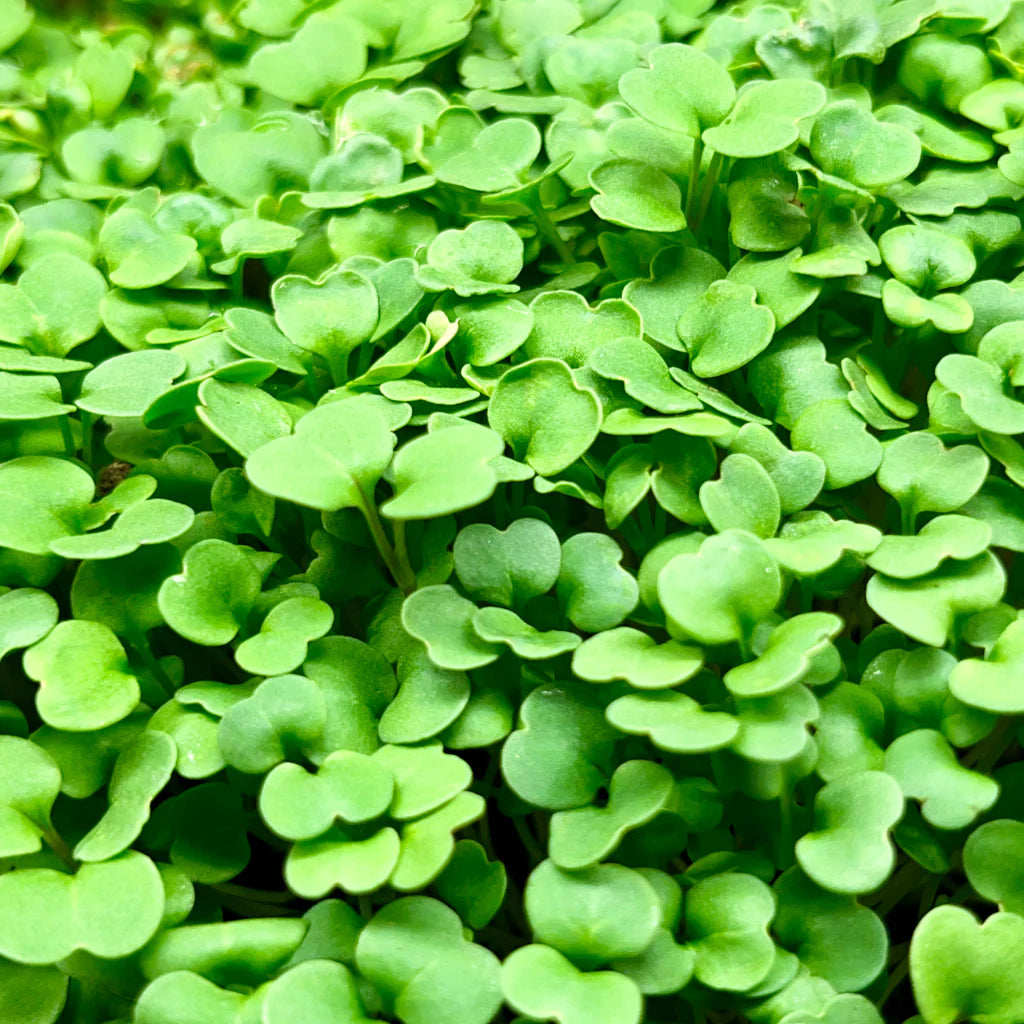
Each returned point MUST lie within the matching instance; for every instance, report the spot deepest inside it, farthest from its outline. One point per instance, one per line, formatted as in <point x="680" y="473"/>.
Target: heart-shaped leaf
<point x="629" y="654"/>
<point x="85" y="682"/>
<point x="979" y="386"/>
<point x="472" y="884"/>
<point x="849" y="142"/>
<point x="840" y="438"/>
<point x="924" y="476"/>
<point x="27" y="616"/>
<point x="284" y="714"/>
<point x="643" y="374"/>
<point x="580" y="838"/>
<point x="343" y="860"/>
<point x="961" y="969"/>
<point x="483" y="258"/>
<point x="957" y="537"/>
<point x="444" y="471"/>
<point x="414" y="951"/>
<point x="718" y="594"/>
<point x="330" y="316"/>
<point x="54" y="307"/>
<point x="335" y="457"/>
<point x="636" y="195"/>
<point x="928" y="608"/>
<point x="508" y="566"/>
<point x="725" y="328"/>
<point x="538" y="981"/>
<point x="237" y="952"/>
<point x="678" y="277"/>
<point x="674" y="722"/>
<point x="833" y="935"/>
<point x="926" y="768"/>
<point x="851" y="851"/>
<point x="593" y="587"/>
<point x="283" y="639"/>
<point x="798" y="476"/>
<point x="349" y="787"/>
<point x="546" y="418"/>
<point x="566" y="327"/>
<point x="684" y="90"/>
<point x="209" y="601"/>
<point x="110" y="909"/>
<point x="764" y="119"/>
<point x="743" y="497"/>
<point x="592" y="916"/>
<point x="443" y="620"/>
<point x="791" y="653"/>
<point x="555" y="759"/>
<point x="502" y="626"/>
<point x="727" y="919"/>
<point x="327" y="53"/>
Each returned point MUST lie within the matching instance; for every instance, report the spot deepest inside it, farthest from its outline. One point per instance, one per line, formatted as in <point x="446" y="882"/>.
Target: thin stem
<point x="691" y="188"/>
<point x="710" y="180"/>
<point x="402" y="551"/>
<point x="902" y="883"/>
<point x="908" y="520"/>
<point x="402" y="575"/>
<point x="56" y="843"/>
<point x="894" y="981"/>
<point x="646" y="521"/>
<point x="365" y="907"/>
<point x="68" y="437"/>
<point x="659" y="520"/>
<point x="258" y="895"/>
<point x="311" y="383"/>
<point x="512" y="905"/>
<point x="928" y="897"/>
<point x="140" y="644"/>
<point x="550" y="232"/>
<point x="484" y="832"/>
<point x="88" y="453"/>
<point x="527" y="839"/>
<point x="255" y="908"/>
<point x="745" y="651"/>
<point x="338" y="366"/>
<point x="784" y="853"/>
<point x="986" y="753"/>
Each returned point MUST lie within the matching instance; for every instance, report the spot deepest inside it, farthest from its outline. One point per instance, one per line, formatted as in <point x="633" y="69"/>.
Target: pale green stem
<point x="140" y="644"/>
<point x="908" y="520"/>
<point x="402" y="552"/>
<point x="68" y="437"/>
<point x="257" y="895"/>
<point x="897" y="976"/>
<point x="56" y="843"/>
<point x="710" y="180"/>
<point x="401" y="574"/>
<point x="550" y="232"/>
<point x="338" y="366"/>
<point x="88" y="425"/>
<point x="527" y="839"/>
<point x="691" y="188"/>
